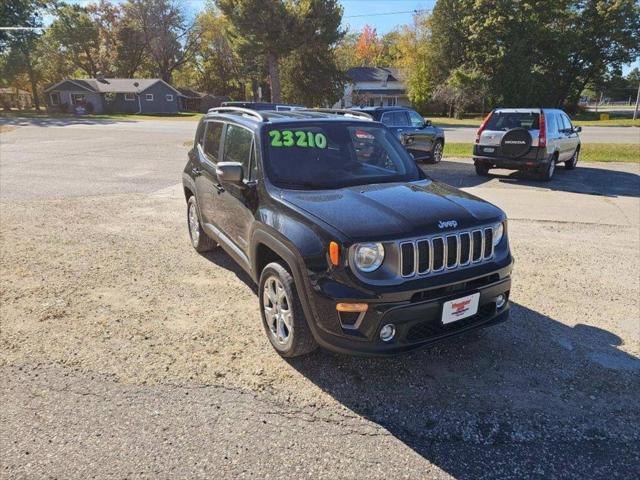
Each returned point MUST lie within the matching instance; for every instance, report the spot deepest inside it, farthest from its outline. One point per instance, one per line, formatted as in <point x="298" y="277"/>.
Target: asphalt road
<point x="123" y="354"/>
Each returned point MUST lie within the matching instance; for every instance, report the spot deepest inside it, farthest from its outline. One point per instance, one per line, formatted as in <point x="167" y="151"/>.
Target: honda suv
<point x="353" y="247"/>
<point x="534" y="139"/>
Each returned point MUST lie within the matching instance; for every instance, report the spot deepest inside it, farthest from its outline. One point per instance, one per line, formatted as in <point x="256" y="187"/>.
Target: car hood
<point x="395" y="210"/>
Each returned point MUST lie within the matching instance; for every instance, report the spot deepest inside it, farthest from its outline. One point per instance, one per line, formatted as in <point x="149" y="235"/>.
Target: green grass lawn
<point x="590" y="152"/>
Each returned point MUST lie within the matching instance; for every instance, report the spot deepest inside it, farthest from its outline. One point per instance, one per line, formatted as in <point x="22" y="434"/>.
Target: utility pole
<point x="635" y="111"/>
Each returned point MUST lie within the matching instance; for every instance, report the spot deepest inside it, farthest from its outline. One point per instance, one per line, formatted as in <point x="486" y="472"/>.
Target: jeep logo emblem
<point x="447" y="224"/>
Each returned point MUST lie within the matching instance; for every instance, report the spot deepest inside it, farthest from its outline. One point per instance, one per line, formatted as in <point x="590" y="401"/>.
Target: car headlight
<point x="498" y="233"/>
<point x="368" y="256"/>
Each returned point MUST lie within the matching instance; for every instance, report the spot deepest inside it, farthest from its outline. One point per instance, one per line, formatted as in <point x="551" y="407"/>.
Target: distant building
<point x="113" y="95"/>
<point x="374" y="87"/>
<point x="13" y="97"/>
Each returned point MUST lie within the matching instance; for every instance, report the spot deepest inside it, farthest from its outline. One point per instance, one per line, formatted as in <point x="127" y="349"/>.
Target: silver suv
<point x="526" y="139"/>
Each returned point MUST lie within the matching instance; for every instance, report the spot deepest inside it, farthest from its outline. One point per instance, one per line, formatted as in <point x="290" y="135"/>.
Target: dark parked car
<point x="422" y="139"/>
<point x="534" y="139"/>
<point x="284" y="107"/>
<point x="354" y="248"/>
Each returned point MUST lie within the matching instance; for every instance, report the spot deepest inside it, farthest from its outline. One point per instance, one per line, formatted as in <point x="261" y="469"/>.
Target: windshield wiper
<point x="293" y="185"/>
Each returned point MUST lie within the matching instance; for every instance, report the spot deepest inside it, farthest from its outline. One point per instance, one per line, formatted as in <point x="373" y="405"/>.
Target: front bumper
<point x="415" y="313"/>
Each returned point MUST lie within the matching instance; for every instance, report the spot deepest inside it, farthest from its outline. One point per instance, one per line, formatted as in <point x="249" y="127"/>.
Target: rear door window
<point x="395" y="119"/>
<point x="503" y="121"/>
<point x="211" y="142"/>
<point x="238" y="146"/>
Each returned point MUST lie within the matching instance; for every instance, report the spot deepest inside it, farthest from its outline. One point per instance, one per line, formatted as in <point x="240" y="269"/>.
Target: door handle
<point x="219" y="188"/>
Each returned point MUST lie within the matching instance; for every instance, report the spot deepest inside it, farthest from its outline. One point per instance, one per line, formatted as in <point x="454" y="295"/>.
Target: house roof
<point x="187" y="92"/>
<point x="113" y="85"/>
<point x="374" y="74"/>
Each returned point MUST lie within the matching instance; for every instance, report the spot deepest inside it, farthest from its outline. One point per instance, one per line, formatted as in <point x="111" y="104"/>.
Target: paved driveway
<point x="124" y="354"/>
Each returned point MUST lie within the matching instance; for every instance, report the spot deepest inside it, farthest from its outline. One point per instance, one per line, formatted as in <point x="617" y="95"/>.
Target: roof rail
<point x="244" y="111"/>
<point x="340" y="111"/>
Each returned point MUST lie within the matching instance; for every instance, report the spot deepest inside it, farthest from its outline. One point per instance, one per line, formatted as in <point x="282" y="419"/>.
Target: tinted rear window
<point x="508" y="120"/>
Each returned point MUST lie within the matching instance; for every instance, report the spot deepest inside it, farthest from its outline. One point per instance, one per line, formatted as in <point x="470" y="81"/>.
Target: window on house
<point x="169" y="97"/>
<point x="129" y="97"/>
<point x="391" y="101"/>
<point x="55" y="98"/>
<point x="78" y="99"/>
<point x="372" y="102"/>
<point x="149" y="97"/>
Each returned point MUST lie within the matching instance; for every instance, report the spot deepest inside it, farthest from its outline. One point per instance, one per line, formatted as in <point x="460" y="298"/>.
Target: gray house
<point x="113" y="95"/>
<point x="374" y="87"/>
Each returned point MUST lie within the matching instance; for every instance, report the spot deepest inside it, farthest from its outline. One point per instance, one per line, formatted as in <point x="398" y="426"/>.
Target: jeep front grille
<point x="445" y="252"/>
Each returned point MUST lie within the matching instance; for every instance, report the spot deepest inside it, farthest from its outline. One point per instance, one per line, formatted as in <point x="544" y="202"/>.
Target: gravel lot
<point x="124" y="354"/>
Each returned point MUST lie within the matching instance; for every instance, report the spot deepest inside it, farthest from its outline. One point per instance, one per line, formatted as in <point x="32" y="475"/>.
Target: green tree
<point x="215" y="64"/>
<point x="310" y="75"/>
<point x="77" y="37"/>
<point x="18" y="46"/>
<point x="542" y="52"/>
<point x="267" y="27"/>
<point x="166" y="33"/>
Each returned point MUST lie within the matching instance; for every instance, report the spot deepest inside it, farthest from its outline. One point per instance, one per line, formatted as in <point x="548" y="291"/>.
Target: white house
<point x="374" y="87"/>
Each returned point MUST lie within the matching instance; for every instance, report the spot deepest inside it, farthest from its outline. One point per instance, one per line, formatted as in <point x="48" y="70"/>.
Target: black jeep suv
<point x="352" y="245"/>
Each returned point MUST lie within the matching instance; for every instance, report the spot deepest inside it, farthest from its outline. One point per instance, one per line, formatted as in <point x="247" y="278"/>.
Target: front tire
<point x="571" y="164"/>
<point x="437" y="152"/>
<point x="199" y="239"/>
<point x="282" y="314"/>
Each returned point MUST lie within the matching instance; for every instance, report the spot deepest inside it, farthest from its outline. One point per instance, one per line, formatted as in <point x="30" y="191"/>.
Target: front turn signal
<point x="334" y="254"/>
<point x="352" y="307"/>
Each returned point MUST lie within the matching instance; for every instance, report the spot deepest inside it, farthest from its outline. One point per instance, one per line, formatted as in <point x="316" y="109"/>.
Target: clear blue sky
<point x="380" y="14"/>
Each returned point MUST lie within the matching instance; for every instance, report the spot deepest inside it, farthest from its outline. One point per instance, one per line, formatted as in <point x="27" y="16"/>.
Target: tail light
<point x="542" y="136"/>
<point x="483" y="126"/>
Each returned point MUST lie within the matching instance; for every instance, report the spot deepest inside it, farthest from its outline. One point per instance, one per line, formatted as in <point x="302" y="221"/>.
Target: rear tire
<point x="482" y="169"/>
<point x="547" y="173"/>
<point x="199" y="239"/>
<point x="282" y="314"/>
<point x="571" y="163"/>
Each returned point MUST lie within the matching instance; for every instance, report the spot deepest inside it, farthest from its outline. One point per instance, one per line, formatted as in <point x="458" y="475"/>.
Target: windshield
<point x="508" y="120"/>
<point x="327" y="156"/>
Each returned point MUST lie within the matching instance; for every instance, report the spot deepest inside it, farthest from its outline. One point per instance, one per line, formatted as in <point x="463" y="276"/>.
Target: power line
<point x="416" y="11"/>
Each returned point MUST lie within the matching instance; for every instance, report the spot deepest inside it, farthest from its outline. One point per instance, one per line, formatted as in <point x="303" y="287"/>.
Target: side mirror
<point x="577" y="129"/>
<point x="230" y="172"/>
<point x="427" y="123"/>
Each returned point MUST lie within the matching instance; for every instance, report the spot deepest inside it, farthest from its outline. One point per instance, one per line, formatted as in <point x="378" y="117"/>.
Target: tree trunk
<point x="274" y="77"/>
<point x="32" y="80"/>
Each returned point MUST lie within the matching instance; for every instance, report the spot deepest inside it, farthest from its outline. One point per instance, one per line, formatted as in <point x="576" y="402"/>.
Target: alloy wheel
<point x="278" y="312"/>
<point x="194" y="224"/>
<point x="437" y="153"/>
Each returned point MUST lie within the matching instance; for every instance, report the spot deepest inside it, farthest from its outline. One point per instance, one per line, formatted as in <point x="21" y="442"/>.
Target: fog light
<point x="388" y="332"/>
<point x="501" y="300"/>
